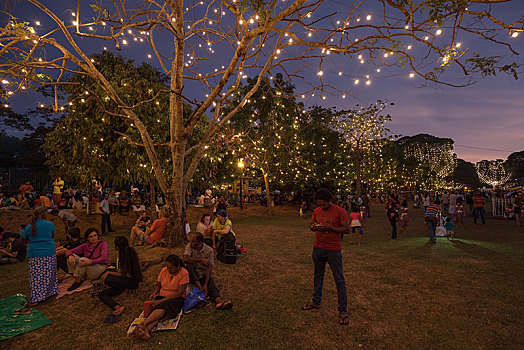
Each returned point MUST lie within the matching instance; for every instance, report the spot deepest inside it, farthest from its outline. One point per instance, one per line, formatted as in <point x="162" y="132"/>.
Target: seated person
<point x="93" y="262"/>
<point x="143" y="221"/>
<point x="5" y="202"/>
<point x="205" y="228"/>
<point x="199" y="261"/>
<point x="69" y="219"/>
<point x="22" y="202"/>
<point x="136" y="203"/>
<point x="123" y="202"/>
<point x="168" y="297"/>
<point x="45" y="201"/>
<point x="151" y="235"/>
<point x="509" y="212"/>
<point x="222" y="228"/>
<point x="113" y="202"/>
<point x="21" y="229"/>
<point x="73" y="240"/>
<point x="127" y="275"/>
<point x="16" y="250"/>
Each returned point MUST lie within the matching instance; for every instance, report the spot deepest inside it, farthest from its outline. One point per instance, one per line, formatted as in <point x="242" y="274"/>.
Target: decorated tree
<point x="365" y="133"/>
<point x="435" y="156"/>
<point x="268" y="125"/>
<point x="515" y="164"/>
<point x="206" y="48"/>
<point x="493" y="172"/>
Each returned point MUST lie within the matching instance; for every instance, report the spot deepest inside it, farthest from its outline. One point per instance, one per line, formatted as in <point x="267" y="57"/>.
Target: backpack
<point x="227" y="251"/>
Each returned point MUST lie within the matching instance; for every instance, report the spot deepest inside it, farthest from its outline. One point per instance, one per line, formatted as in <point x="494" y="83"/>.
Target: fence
<point x="499" y="205"/>
<point x="12" y="178"/>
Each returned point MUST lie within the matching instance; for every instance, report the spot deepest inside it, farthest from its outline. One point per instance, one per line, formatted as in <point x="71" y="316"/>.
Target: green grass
<point x="407" y="294"/>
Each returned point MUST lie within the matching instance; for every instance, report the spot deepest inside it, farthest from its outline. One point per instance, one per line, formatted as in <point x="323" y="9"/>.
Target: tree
<point x="435" y="156"/>
<point x="493" y="172"/>
<point x="365" y="132"/>
<point x="515" y="164"/>
<point x="465" y="174"/>
<point x="269" y="124"/>
<point x="255" y="36"/>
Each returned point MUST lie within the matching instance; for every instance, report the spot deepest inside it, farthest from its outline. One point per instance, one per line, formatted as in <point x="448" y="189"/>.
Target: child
<point x="303" y="210"/>
<point x="509" y="212"/>
<point x="356" y="223"/>
<point x="449" y="228"/>
<point x="363" y="216"/>
<point x="404" y="218"/>
<point x="460" y="215"/>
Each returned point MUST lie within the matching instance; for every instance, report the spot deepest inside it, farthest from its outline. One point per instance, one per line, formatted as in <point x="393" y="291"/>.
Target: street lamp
<point x="241" y="166"/>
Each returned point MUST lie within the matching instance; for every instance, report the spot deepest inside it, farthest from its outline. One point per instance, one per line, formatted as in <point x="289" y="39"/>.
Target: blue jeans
<point x="334" y="259"/>
<point x="431" y="223"/>
<point x="479" y="211"/>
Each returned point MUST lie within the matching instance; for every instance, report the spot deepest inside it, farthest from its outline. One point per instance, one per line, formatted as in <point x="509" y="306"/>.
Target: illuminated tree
<point x="515" y="163"/>
<point x="435" y="156"/>
<point x="493" y="172"/>
<point x="364" y="131"/>
<point x="214" y="44"/>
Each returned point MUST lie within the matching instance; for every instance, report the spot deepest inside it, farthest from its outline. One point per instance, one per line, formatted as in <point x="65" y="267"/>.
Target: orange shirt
<point x="333" y="217"/>
<point x="45" y="201"/>
<point x="158" y="230"/>
<point x="171" y="283"/>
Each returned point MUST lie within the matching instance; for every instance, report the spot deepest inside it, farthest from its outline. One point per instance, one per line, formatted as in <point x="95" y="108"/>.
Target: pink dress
<point x="404" y="217"/>
<point x="460" y="216"/>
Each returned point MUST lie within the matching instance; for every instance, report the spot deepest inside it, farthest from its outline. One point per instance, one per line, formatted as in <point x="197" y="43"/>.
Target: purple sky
<point x="488" y="114"/>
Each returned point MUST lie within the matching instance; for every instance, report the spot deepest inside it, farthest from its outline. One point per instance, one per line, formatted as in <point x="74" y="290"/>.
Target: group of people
<point x="87" y="258"/>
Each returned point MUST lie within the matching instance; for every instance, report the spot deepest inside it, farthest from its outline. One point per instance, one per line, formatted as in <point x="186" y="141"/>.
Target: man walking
<point x="329" y="222"/>
<point x="432" y="220"/>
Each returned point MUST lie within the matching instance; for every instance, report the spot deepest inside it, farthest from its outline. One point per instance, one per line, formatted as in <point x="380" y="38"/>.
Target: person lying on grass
<point x="93" y="262"/>
<point x="127" y="275"/>
<point x="199" y="261"/>
<point x="168" y="297"/>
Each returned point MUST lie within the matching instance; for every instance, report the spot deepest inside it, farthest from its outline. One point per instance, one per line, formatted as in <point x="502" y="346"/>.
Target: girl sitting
<point x="168" y="297"/>
<point x="128" y="275"/>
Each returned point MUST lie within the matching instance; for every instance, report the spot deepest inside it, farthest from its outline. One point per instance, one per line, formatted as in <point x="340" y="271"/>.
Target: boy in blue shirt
<point x="449" y="228"/>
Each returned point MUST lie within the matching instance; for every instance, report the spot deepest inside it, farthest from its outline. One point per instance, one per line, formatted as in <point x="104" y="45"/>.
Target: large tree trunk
<point x="268" y="195"/>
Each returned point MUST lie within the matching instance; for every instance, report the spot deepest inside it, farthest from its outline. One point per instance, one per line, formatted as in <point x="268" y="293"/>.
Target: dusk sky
<point x="486" y="119"/>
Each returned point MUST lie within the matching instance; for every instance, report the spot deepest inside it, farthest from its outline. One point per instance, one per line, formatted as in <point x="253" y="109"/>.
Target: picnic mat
<point x="166" y="325"/>
<point x="12" y="325"/>
<point x="67" y="282"/>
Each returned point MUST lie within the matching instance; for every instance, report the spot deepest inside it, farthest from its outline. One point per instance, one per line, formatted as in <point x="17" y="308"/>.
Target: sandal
<point x="23" y="311"/>
<point x="310" y="306"/>
<point x="226" y="305"/>
<point x="343" y="320"/>
<point x="112" y="318"/>
<point x="30" y="305"/>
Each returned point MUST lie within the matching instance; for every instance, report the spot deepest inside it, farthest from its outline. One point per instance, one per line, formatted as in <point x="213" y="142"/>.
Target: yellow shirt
<point x="218" y="226"/>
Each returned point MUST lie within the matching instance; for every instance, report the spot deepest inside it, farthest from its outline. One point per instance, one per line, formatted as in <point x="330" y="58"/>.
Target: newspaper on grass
<point x="166" y="325"/>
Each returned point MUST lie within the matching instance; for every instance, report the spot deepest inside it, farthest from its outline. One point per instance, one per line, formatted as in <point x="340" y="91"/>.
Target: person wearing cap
<point x="17" y="251"/>
<point x="41" y="252"/>
<point x="222" y="228"/>
<point x="151" y="235"/>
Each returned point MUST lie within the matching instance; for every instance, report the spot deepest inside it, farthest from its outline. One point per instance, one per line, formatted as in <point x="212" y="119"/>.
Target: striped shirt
<point x="432" y="211"/>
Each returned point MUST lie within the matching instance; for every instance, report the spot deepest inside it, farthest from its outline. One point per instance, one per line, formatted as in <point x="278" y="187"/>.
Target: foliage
<point x="465" y="174"/>
<point x="493" y="172"/>
<point x="515" y="164"/>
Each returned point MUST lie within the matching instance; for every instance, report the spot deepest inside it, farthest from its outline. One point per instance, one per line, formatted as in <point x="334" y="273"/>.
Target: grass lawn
<point x="405" y="294"/>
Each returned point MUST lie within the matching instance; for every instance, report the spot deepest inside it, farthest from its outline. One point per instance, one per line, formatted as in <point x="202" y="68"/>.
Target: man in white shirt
<point x="106" y="214"/>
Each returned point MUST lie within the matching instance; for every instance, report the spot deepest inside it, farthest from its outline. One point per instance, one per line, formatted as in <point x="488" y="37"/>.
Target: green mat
<point x="12" y="325"/>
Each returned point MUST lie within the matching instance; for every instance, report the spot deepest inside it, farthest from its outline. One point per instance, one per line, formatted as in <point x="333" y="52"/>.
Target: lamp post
<point x="241" y="166"/>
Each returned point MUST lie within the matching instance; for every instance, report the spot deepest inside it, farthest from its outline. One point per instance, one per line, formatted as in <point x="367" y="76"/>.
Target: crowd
<point x="87" y="258"/>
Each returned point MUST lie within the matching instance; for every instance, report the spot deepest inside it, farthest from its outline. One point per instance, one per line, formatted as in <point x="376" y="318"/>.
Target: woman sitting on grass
<point x="93" y="262"/>
<point x="128" y="275"/>
<point x="168" y="298"/>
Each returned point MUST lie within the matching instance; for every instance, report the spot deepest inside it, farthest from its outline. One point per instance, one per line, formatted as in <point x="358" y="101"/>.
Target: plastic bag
<point x="195" y="297"/>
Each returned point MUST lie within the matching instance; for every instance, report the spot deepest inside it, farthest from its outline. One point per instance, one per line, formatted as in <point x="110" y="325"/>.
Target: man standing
<point x="329" y="222"/>
<point x="478" y="207"/>
<point x="432" y="220"/>
<point x="445" y="202"/>
<point x="106" y="214"/>
<point x="199" y="261"/>
<point x="58" y="185"/>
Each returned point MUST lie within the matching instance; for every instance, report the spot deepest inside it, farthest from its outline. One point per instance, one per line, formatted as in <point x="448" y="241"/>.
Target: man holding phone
<point x="329" y="222"/>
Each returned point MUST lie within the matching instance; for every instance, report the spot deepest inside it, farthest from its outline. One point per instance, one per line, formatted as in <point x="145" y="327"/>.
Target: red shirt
<point x="332" y="217"/>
